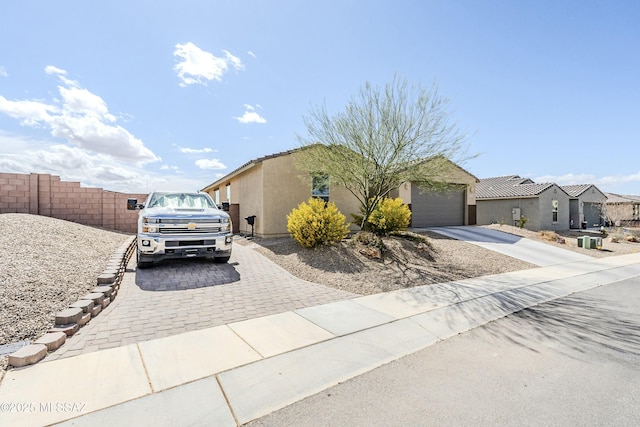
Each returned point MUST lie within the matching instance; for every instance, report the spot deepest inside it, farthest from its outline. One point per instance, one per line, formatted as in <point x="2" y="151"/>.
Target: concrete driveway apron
<point x="527" y="250"/>
<point x="187" y="295"/>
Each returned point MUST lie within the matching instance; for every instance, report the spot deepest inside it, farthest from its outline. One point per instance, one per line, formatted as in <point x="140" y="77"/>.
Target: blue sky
<point x="139" y="95"/>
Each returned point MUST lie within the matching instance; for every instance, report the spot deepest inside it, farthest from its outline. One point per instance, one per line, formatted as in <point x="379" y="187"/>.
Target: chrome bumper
<point x="159" y="247"/>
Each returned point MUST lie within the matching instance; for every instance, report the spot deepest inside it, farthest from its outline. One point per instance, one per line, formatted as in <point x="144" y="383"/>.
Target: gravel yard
<point x="403" y="265"/>
<point x="46" y="265"/>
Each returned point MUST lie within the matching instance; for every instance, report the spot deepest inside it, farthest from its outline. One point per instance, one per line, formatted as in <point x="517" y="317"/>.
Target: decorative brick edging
<point x="78" y="314"/>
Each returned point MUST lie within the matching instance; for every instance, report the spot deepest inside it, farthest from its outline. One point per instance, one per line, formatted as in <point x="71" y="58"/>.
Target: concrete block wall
<point x="48" y="195"/>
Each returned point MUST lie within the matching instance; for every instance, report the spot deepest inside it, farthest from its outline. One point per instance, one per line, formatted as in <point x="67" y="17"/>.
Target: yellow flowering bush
<point x="389" y="215"/>
<point x="316" y="223"/>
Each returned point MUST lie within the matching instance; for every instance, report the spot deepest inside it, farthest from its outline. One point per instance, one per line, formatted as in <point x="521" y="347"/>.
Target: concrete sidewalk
<point x="231" y="374"/>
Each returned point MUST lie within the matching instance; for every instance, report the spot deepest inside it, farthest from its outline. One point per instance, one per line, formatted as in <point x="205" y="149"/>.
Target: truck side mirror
<point x="132" y="204"/>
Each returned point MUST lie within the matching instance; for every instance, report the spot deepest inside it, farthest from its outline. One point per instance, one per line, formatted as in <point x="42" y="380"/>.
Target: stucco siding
<point x="283" y="190"/>
<point x="546" y="209"/>
<point x="246" y="190"/>
<point x="499" y="211"/>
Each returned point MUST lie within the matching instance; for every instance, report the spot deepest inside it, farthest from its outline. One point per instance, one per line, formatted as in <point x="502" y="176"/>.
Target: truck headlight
<point x="150" y="220"/>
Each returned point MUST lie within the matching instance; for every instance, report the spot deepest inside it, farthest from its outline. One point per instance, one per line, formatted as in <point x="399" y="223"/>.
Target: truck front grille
<point x="176" y="221"/>
<point x="184" y="230"/>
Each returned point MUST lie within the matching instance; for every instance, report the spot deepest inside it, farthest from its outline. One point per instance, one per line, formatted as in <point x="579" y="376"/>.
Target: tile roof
<point x="506" y="187"/>
<point x="576" y="190"/>
<point x="620" y="198"/>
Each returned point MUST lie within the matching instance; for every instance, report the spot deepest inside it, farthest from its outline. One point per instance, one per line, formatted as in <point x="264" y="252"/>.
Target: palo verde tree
<point x="385" y="136"/>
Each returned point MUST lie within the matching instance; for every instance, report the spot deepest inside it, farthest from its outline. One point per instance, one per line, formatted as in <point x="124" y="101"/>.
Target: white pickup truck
<point x="181" y="225"/>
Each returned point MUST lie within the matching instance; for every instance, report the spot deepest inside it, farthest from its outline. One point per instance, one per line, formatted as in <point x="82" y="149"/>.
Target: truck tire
<point x="141" y="264"/>
<point x="222" y="259"/>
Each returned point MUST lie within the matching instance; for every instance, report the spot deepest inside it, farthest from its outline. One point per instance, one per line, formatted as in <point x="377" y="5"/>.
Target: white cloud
<point x="210" y="164"/>
<point x="82" y="118"/>
<point x="3" y="72"/>
<point x="251" y="54"/>
<point x="196" y="150"/>
<point x="175" y="169"/>
<point x="24" y="155"/>
<point x="605" y="183"/>
<point x="250" y="115"/>
<point x="233" y="60"/>
<point x="81" y="101"/>
<point x="29" y="113"/>
<point x="50" y="69"/>
<point x="197" y="66"/>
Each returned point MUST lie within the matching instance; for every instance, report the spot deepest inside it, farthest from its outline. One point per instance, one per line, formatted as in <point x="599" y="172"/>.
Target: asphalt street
<point x="571" y="361"/>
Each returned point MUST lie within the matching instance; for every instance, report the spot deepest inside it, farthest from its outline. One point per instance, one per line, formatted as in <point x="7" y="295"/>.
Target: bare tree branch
<point x="384" y="136"/>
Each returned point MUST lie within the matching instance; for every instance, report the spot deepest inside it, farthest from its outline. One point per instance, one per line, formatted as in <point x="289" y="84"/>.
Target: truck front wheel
<point x="222" y="259"/>
<point x="142" y="264"/>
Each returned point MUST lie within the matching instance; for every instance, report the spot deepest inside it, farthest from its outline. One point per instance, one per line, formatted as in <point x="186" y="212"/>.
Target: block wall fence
<point x="47" y="195"/>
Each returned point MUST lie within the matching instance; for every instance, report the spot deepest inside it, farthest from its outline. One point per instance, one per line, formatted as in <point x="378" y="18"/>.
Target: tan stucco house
<point x="270" y="187"/>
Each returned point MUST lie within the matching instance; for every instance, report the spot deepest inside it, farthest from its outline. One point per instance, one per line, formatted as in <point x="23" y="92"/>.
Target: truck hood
<point x="166" y="212"/>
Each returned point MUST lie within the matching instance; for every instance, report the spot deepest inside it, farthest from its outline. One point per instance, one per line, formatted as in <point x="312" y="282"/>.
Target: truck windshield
<point x="180" y="200"/>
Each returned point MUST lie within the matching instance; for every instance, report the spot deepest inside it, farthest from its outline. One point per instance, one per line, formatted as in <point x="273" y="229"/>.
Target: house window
<point x="554" y="211"/>
<point x="636" y="212"/>
<point x="320" y="187"/>
<point x="229" y="193"/>
<point x="216" y="196"/>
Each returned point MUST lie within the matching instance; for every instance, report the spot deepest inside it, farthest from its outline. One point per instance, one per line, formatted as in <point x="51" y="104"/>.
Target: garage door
<point x="432" y="208"/>
<point x="592" y="214"/>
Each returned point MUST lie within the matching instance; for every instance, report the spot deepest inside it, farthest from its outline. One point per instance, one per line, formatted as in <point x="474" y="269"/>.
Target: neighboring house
<point x="586" y="205"/>
<point x="622" y="209"/>
<point x="506" y="199"/>
<point x="270" y="187"/>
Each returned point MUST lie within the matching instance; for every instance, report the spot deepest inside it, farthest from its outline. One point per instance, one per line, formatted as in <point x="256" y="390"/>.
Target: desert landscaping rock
<point x="34" y="285"/>
<point x="53" y="340"/>
<point x="28" y="355"/>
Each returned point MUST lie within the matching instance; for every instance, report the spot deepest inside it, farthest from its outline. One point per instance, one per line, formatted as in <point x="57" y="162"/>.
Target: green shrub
<point x="522" y="221"/>
<point x="389" y="215"/>
<point x="316" y="223"/>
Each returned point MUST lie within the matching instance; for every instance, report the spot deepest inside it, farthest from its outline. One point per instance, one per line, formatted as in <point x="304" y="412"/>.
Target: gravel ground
<point x="403" y="264"/>
<point x="46" y="265"/>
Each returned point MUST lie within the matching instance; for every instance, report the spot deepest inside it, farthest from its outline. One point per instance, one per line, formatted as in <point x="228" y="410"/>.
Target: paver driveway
<point x="184" y="295"/>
